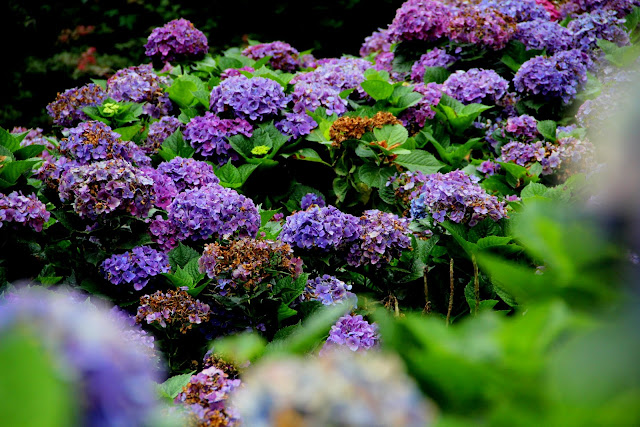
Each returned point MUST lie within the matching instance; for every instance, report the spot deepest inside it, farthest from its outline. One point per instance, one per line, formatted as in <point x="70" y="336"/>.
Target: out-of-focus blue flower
<point x="520" y="10"/>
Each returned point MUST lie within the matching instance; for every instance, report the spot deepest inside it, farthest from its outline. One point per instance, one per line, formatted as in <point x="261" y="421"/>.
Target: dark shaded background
<point x="37" y="64"/>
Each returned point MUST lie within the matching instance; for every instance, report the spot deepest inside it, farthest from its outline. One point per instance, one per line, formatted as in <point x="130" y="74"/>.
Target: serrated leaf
<point x="375" y="176"/>
<point x="229" y="174"/>
<point x="393" y="134"/>
<point x="435" y="74"/>
<point x="419" y="160"/>
<point x="547" y="128"/>
<point x="534" y="189"/>
<point x="173" y="386"/>
<point x="377" y="89"/>
<point x="193" y="270"/>
<point x="127" y="133"/>
<point x="181" y="255"/>
<point x="9" y="141"/>
<point x="285" y="312"/>
<point x="340" y="188"/>
<point x="179" y="278"/>
<point x="175" y="146"/>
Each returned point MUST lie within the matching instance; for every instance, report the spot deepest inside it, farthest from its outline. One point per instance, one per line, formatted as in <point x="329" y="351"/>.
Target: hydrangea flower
<point x="188" y="173"/>
<point x="436" y="57"/>
<point x="458" y="197"/>
<point x="136" y="267"/>
<point x="587" y="28"/>
<point x="425" y="20"/>
<point x="520" y="10"/>
<point x="559" y="76"/>
<point x="133" y="333"/>
<point x="174" y="308"/>
<point x="523" y="128"/>
<point x="622" y="7"/>
<point x="66" y="110"/>
<point x="283" y="56"/>
<point x="296" y="124"/>
<point x="312" y="391"/>
<point x="310" y="96"/>
<point x="475" y="86"/>
<point x="327" y="289"/>
<point x="320" y="227"/>
<point x="407" y="185"/>
<point x="208" y="136"/>
<point x="526" y="154"/>
<point x="255" y="98"/>
<point x="159" y="131"/>
<point x="20" y="209"/>
<point x="384" y="62"/>
<point x="99" y="188"/>
<point x="353" y="332"/>
<point x="415" y="117"/>
<point x="164" y="188"/>
<point x="488" y="28"/>
<point x="541" y="34"/>
<point x="488" y="168"/>
<point x="233" y="72"/>
<point x="337" y="73"/>
<point x="177" y="39"/>
<point x="383" y="237"/>
<point x="311" y="199"/>
<point x="377" y="42"/>
<point x="551" y="8"/>
<point x="112" y="377"/>
<point x="141" y="84"/>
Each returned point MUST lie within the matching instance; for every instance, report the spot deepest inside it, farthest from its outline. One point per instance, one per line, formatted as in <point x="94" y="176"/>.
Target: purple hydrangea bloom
<point x="320" y="227"/>
<point x="133" y="332"/>
<point x="175" y="307"/>
<point x="488" y="28"/>
<point x="420" y="20"/>
<point x="329" y="290"/>
<point x="560" y="76"/>
<point x="283" y="56"/>
<point x="94" y="141"/>
<point x="434" y="58"/>
<point x="296" y="124"/>
<point x="488" y="168"/>
<point x="66" y="110"/>
<point x="136" y="267"/>
<point x="622" y="7"/>
<point x="141" y="84"/>
<point x="255" y="98"/>
<point x="542" y="34"/>
<point x="164" y="188"/>
<point x="587" y="28"/>
<point x="159" y="131"/>
<point x="522" y="154"/>
<point x="407" y="185"/>
<point x="99" y="188"/>
<point x="458" y="197"/>
<point x="177" y="39"/>
<point x="383" y="237"/>
<point x="475" y="86"/>
<point x="337" y="73"/>
<point x="520" y="10"/>
<point x="353" y="332"/>
<point x="311" y="199"/>
<point x="164" y="233"/>
<point x="20" y="209"/>
<point x="416" y="116"/>
<point x="113" y="379"/>
<point x="188" y="173"/>
<point x="233" y="72"/>
<point x="522" y="127"/>
<point x="208" y="135"/>
<point x="378" y="41"/>
<point x="384" y="62"/>
<point x="212" y="210"/>
<point x="310" y="96"/>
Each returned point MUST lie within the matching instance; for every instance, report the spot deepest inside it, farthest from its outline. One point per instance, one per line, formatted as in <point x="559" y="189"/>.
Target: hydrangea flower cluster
<point x="425" y="20"/>
<point x="255" y="98"/>
<point x="175" y="307"/>
<point x="283" y="56"/>
<point x="551" y="8"/>
<point x="524" y="126"/>
<point x="345" y="128"/>
<point x="327" y="289"/>
<point x="407" y="185"/>
<point x="164" y="188"/>
<point x="94" y="141"/>
<point x="488" y="167"/>
<point x="20" y="209"/>
<point x="206" y="394"/>
<point x="113" y="379"/>
<point x="312" y="390"/>
<point x="458" y="197"/>
<point x="526" y="154"/>
<point x="353" y="332"/>
<point x="311" y="95"/>
<point x="159" y="131"/>
<point x="541" y="34"/>
<point x="383" y="237"/>
<point x="488" y="28"/>
<point x="323" y="228"/>
<point x="475" y="86"/>
<point x="100" y="188"/>
<point x="201" y="213"/>
<point x="136" y="267"/>
<point x="436" y="57"/>
<point x="66" y="110"/>
<point x="188" y="173"/>
<point x="247" y="262"/>
<point x="296" y="124"/>
<point x="208" y="136"/>
<point x="337" y="73"/>
<point x="377" y="42"/>
<point x="415" y="117"/>
<point x="132" y="332"/>
<point x="559" y="76"/>
<point x="177" y="39"/>
<point x="520" y="10"/>
<point x="141" y="84"/>
<point x="311" y="199"/>
<point x="622" y="7"/>
<point x="587" y="28"/>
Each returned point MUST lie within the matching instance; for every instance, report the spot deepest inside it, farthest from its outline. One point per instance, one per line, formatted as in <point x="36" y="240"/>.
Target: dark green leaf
<point x="27" y="152"/>
<point x="181" y="255"/>
<point x="377" y="89"/>
<point x="127" y="133"/>
<point x="547" y="128"/>
<point x="435" y="75"/>
<point x="419" y="160"/>
<point x="375" y="176"/>
<point x="11" y="171"/>
<point x="173" y="386"/>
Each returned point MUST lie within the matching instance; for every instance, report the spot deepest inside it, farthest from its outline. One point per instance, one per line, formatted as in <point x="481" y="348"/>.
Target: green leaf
<point x="180" y="278"/>
<point x="127" y="133"/>
<point x="285" y="312"/>
<point x="193" y="270"/>
<point x="310" y="155"/>
<point x="181" y="255"/>
<point x="24" y="153"/>
<point x="620" y="56"/>
<point x="230" y="175"/>
<point x="419" y="160"/>
<point x="340" y="188"/>
<point x="11" y="171"/>
<point x="377" y="89"/>
<point x="175" y="146"/>
<point x="240" y="348"/>
<point x="435" y="75"/>
<point x="173" y="386"/>
<point x="182" y="89"/>
<point x="375" y="176"/>
<point x="492" y="242"/>
<point x="547" y="128"/>
<point x="393" y="134"/>
<point x="533" y="189"/>
<point x="8" y="141"/>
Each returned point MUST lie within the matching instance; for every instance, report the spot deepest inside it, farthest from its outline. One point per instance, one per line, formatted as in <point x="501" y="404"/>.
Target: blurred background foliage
<point x="52" y="46"/>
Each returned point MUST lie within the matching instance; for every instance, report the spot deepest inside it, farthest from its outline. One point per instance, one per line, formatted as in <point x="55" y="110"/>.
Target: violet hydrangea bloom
<point x="587" y="28"/>
<point x="520" y="10"/>
<point x="310" y="96"/>
<point x="188" y="173"/>
<point x="523" y="127"/>
<point x="100" y="188"/>
<point x="475" y="86"/>
<point x="135" y="267"/>
<point x="416" y="116"/>
<point x="407" y="185"/>
<point x="488" y="28"/>
<point x="208" y="136"/>
<point x="383" y="237"/>
<point x="353" y="332"/>
<point x="488" y="168"/>
<point x="311" y="199"/>
<point x="327" y="289"/>
<point x="233" y="72"/>
<point x="337" y="73"/>
<point x="141" y="84"/>
<point x="458" y="197"/>
<point x="559" y="76"/>
<point x="177" y="39"/>
<point x="159" y="131"/>
<point x="622" y="7"/>
<point x="425" y="20"/>
<point x="320" y="227"/>
<point x="296" y="124"/>
<point x="174" y="307"/>
<point x="66" y="110"/>
<point x="378" y="42"/>
<point x="164" y="188"/>
<point x="20" y="209"/>
<point x="283" y="56"/>
<point x="255" y="98"/>
<point x="436" y="57"/>
<point x="541" y="34"/>
<point x="133" y="333"/>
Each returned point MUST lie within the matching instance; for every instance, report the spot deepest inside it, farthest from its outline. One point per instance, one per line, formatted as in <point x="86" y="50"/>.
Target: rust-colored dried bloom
<point x="229" y="368"/>
<point x="354" y="127"/>
<point x="382" y="118"/>
<point x="172" y="307"/>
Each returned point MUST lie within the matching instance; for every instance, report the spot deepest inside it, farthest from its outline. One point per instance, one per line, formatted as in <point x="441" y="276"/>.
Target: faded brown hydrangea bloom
<point x="354" y="127"/>
<point x="174" y="307"/>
